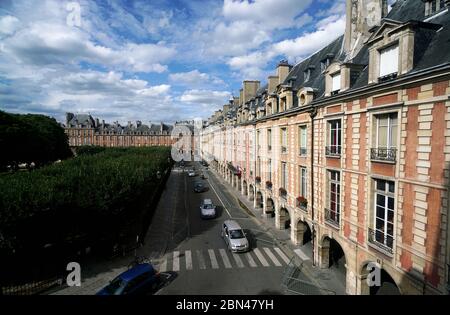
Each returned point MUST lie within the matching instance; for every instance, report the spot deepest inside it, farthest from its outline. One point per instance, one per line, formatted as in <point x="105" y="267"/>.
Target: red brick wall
<point x="437" y="157"/>
<point x="386" y="99"/>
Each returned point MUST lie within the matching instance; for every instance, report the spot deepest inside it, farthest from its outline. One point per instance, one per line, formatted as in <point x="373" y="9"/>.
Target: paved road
<point x="202" y="264"/>
<point x="192" y="251"/>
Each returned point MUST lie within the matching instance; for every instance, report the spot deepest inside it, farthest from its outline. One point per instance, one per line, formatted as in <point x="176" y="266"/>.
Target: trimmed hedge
<point x="90" y="197"/>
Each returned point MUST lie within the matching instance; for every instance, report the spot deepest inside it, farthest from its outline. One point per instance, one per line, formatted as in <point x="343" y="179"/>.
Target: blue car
<point x="140" y="279"/>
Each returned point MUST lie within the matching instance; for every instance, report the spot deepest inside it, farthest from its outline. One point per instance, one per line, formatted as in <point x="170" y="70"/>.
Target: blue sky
<point x="150" y="60"/>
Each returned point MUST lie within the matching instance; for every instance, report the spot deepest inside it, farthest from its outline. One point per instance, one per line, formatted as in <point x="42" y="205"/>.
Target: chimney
<point x="97" y="122"/>
<point x="103" y="123"/>
<point x="250" y="88"/>
<point x="273" y="83"/>
<point x="138" y="123"/>
<point x="69" y="117"/>
<point x="361" y="16"/>
<point x="283" y="69"/>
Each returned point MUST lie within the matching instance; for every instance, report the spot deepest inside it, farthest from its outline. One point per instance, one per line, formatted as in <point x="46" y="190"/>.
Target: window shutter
<point x="336" y="82"/>
<point x="389" y="61"/>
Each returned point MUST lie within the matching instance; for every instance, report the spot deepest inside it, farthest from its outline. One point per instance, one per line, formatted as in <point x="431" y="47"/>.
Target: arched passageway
<point x="285" y="219"/>
<point x="376" y="281"/>
<point x="270" y="207"/>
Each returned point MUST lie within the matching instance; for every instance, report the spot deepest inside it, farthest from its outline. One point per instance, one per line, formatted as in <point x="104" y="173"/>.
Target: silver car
<point x="207" y="209"/>
<point x="234" y="236"/>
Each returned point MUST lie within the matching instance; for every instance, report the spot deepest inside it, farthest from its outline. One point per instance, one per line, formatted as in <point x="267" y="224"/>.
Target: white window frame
<point x="386" y="194"/>
<point x="303" y="182"/>
<point x="284" y="175"/>
<point x="303" y="139"/>
<point x="337" y="183"/>
<point x="270" y="169"/>
<point x="284" y="139"/>
<point x="338" y="145"/>
<point x="390" y="135"/>
<point x="389" y="60"/>
<point x="336" y="82"/>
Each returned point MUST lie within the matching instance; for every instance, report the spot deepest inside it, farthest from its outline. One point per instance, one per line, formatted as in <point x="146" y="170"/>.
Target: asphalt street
<point x="197" y="256"/>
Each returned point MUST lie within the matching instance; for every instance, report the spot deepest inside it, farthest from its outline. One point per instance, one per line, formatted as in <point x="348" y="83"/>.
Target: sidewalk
<point x="328" y="279"/>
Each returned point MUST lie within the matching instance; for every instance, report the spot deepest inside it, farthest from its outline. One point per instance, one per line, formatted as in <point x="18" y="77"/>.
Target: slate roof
<point x="87" y="121"/>
<point x="432" y="47"/>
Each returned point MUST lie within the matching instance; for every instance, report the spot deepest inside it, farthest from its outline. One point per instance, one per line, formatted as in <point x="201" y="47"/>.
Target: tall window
<point x="334" y="138"/>
<point x="385" y="142"/>
<point x="269" y="139"/>
<point x="284" y="177"/>
<point x="302" y="139"/>
<point x="270" y="170"/>
<point x="336" y="83"/>
<point x="389" y="61"/>
<point x="383" y="231"/>
<point x="332" y="214"/>
<point x="303" y="177"/>
<point x="283" y="140"/>
<point x="258" y="167"/>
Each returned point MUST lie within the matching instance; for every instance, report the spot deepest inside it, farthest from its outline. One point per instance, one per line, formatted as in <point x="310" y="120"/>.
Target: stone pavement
<point x="329" y="279"/>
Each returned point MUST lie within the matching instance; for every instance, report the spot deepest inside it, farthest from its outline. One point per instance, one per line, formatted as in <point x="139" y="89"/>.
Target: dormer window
<point x="434" y="6"/>
<point x="336" y="83"/>
<point x="388" y="63"/>
<point x="307" y="73"/>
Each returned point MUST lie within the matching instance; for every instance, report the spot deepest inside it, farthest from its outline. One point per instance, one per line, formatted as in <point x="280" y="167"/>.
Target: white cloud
<point x="44" y="43"/>
<point x="268" y="14"/>
<point x="311" y="42"/>
<point x="194" y="78"/>
<point x="8" y="25"/>
<point x="205" y="97"/>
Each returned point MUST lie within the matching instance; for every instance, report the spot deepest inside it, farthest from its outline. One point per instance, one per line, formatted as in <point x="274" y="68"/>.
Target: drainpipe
<point x="312" y="114"/>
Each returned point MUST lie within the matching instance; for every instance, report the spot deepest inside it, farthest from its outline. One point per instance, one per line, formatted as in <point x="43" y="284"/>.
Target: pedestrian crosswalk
<point x="189" y="260"/>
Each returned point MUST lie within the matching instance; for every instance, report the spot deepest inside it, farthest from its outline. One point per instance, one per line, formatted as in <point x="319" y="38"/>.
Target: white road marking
<point x="212" y="186"/>
<point x="272" y="257"/>
<point x="225" y="259"/>
<point x="201" y="260"/>
<point x="261" y="257"/>
<point x="212" y="256"/>
<point x="282" y="255"/>
<point x="176" y="261"/>
<point x="188" y="256"/>
<point x="250" y="260"/>
<point x="301" y="254"/>
<point x="238" y="260"/>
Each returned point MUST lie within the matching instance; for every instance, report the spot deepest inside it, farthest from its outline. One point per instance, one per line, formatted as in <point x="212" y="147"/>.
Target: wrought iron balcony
<point x="335" y="92"/>
<point x="388" y="77"/>
<point x="283" y="149"/>
<point x="381" y="240"/>
<point x="383" y="154"/>
<point x="332" y="217"/>
<point x="302" y="203"/>
<point x="269" y="148"/>
<point x="333" y="151"/>
<point x="303" y="151"/>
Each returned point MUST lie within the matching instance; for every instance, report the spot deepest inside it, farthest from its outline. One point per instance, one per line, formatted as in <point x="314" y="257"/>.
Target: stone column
<point x="297" y="232"/>
<point x="324" y="255"/>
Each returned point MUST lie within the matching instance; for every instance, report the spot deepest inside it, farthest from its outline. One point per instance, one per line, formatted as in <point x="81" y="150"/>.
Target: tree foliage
<point x="31" y="138"/>
<point x="90" y="196"/>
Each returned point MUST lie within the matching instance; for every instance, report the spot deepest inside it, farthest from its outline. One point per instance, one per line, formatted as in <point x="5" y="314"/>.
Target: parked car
<point x="199" y="187"/>
<point x="140" y="279"/>
<point x="234" y="236"/>
<point x="207" y="209"/>
<point x="191" y="173"/>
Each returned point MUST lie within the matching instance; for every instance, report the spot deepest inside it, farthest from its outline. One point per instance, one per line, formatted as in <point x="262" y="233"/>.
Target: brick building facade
<point x="83" y="129"/>
<point x="350" y="148"/>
